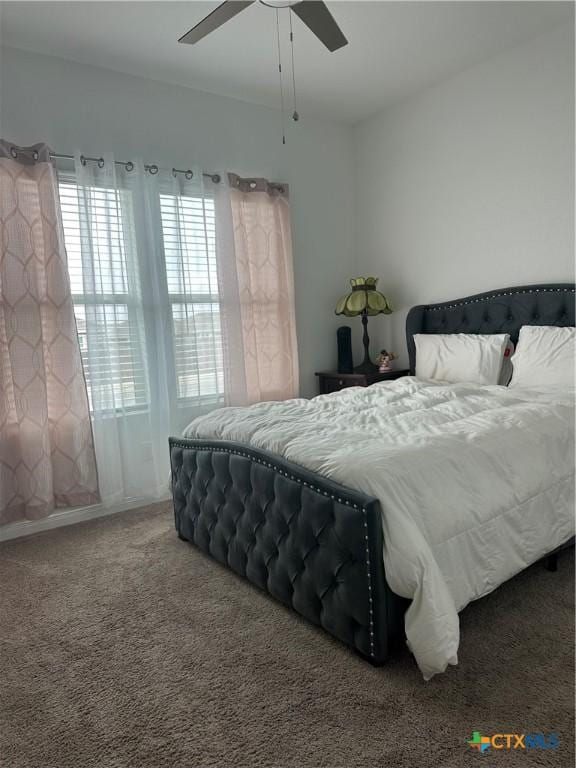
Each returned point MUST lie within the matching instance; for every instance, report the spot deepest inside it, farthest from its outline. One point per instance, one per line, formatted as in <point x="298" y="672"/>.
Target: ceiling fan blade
<point x="219" y="16"/>
<point x="319" y="20"/>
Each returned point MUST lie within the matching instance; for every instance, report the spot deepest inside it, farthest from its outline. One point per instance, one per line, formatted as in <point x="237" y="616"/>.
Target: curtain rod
<point x="129" y="166"/>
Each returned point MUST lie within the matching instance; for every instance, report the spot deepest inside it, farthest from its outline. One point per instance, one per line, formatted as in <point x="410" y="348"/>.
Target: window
<point x="111" y="296"/>
<point x="106" y="295"/>
<point x="189" y="231"/>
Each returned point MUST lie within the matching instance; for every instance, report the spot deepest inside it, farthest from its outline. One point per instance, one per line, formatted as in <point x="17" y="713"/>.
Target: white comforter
<point x="475" y="483"/>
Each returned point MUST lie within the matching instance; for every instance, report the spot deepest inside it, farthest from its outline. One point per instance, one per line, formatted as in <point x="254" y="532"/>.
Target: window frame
<point x="209" y="298"/>
<point x="141" y="301"/>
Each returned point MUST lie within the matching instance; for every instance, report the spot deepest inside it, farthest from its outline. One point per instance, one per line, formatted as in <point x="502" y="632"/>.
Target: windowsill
<point x="200" y="402"/>
<point x="143" y="410"/>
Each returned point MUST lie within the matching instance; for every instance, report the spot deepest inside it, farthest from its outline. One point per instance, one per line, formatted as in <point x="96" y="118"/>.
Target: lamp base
<point x="366" y="367"/>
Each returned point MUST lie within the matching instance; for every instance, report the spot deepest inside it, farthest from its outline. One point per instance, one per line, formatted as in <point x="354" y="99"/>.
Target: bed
<point x="310" y="526"/>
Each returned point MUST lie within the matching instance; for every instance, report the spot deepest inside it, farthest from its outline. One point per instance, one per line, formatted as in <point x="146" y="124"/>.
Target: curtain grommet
<point x="82" y="160"/>
<point x="153" y="169"/>
<point x="189" y="174"/>
<point x="35" y="154"/>
<point x="129" y="166"/>
<point x="100" y="162"/>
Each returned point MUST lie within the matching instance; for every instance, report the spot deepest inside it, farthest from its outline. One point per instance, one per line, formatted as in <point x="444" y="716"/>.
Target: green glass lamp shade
<point x="364" y="299"/>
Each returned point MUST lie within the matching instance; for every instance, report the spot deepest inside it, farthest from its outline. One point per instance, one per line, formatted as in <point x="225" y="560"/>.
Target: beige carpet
<point x="123" y="646"/>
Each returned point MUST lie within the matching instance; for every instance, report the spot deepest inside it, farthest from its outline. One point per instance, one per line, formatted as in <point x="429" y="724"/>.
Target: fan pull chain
<point x="295" y="115"/>
<point x="280" y="79"/>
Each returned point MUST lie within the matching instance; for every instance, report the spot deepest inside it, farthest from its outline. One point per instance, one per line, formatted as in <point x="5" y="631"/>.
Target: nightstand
<point x="332" y="381"/>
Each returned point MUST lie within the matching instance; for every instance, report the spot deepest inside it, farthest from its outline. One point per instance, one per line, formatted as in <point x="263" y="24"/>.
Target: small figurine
<point x="384" y="361"/>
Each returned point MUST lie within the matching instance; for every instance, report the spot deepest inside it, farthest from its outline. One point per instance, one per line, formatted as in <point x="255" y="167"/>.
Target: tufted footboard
<point x="310" y="543"/>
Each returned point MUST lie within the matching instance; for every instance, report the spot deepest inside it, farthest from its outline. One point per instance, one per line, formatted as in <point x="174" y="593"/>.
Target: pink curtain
<point x="265" y="283"/>
<point x="46" y="449"/>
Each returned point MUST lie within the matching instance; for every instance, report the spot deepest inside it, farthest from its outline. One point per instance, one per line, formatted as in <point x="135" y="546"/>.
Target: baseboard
<point x="69" y="517"/>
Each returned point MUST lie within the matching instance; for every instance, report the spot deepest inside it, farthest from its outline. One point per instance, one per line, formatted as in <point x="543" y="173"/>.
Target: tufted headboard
<point x="501" y="311"/>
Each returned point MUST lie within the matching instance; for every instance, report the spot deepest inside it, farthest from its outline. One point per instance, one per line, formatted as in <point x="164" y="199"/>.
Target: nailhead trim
<point x="442" y="307"/>
<point x="321" y="491"/>
<point x="368" y="570"/>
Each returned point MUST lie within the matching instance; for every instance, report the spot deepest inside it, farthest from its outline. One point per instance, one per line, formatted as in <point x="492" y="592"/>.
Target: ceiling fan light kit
<point x="313" y="13"/>
<point x="279" y="3"/>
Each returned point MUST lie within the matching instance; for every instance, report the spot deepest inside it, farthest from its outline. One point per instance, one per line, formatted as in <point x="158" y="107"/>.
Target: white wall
<point x="470" y="185"/>
<point x="72" y="106"/>
<point x="466" y="187"/>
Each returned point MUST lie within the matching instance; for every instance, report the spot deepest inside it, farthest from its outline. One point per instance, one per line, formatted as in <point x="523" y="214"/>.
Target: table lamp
<point x="364" y="299"/>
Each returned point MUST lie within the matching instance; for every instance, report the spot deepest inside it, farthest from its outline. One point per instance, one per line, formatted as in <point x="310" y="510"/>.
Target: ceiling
<point x="396" y="48"/>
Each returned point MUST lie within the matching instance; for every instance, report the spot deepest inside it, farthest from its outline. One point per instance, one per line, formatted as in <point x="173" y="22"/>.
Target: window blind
<point x="189" y="231"/>
<point x="106" y="294"/>
<point x="110" y="297"/>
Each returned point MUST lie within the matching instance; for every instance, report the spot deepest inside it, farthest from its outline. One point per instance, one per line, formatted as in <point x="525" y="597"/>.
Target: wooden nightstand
<point x="332" y="381"/>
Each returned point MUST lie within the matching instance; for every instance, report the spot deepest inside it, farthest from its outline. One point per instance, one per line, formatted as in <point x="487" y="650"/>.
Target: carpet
<point x="124" y="647"/>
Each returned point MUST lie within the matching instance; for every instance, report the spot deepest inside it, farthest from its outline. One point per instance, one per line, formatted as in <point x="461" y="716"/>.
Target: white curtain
<point x="142" y="258"/>
<point x="184" y="301"/>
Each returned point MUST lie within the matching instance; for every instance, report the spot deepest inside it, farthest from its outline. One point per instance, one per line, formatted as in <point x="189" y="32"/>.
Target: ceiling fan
<point x="313" y="13"/>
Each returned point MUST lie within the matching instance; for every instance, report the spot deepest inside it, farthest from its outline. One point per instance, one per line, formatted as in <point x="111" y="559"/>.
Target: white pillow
<point x="460" y="357"/>
<point x="544" y="357"/>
